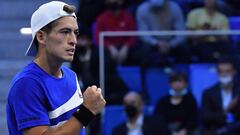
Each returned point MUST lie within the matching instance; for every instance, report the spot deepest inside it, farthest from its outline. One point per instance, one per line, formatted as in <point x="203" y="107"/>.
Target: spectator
<point x="160" y="15"/>
<point x="88" y="12"/>
<point x="115" y="18"/>
<point x="208" y="48"/>
<point x="179" y="108"/>
<point x="86" y="66"/>
<point x="138" y="123"/>
<point x="220" y="103"/>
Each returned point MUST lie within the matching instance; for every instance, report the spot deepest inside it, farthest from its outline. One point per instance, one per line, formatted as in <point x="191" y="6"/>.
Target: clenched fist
<point x="93" y="99"/>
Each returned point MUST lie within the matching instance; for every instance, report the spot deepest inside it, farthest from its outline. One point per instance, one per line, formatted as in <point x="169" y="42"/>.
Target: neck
<point x="49" y="65"/>
<point x="210" y="10"/>
<point x="228" y="87"/>
<point x="134" y="120"/>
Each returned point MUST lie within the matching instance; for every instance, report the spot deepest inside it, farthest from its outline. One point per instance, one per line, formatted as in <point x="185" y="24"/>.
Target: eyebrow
<point x="67" y="28"/>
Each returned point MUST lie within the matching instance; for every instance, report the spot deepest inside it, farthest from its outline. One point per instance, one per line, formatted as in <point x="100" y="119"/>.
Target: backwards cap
<point x="45" y="14"/>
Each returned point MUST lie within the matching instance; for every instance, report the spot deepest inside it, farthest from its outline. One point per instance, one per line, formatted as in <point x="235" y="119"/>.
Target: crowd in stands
<point x="176" y="113"/>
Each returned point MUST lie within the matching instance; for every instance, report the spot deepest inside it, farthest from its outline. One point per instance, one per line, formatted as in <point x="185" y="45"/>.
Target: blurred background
<point x="164" y="76"/>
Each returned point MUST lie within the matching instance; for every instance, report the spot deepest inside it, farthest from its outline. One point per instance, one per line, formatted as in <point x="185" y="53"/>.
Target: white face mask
<point x="173" y="92"/>
<point x="225" y="79"/>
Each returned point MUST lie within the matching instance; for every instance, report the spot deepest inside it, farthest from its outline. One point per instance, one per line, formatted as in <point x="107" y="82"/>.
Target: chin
<point x="68" y="59"/>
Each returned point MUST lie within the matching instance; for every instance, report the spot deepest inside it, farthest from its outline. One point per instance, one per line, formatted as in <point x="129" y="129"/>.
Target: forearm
<point x="71" y="127"/>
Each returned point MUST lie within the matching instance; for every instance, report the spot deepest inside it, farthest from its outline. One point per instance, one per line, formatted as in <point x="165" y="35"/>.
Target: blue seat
<point x="184" y="68"/>
<point x="131" y="76"/>
<point x="156" y="81"/>
<point x="114" y="115"/>
<point x="202" y="76"/>
<point x="234" y="24"/>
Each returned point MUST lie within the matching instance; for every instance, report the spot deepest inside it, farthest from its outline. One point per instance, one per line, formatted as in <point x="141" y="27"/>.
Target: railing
<point x="150" y="33"/>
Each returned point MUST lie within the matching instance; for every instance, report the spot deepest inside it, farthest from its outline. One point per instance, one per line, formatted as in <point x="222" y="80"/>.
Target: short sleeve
<point x="28" y="104"/>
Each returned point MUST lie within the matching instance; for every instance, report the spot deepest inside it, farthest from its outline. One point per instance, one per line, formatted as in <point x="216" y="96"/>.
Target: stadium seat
<point x="234" y="24"/>
<point x="202" y="76"/>
<point x="131" y="76"/>
<point x="156" y="81"/>
<point x="113" y="116"/>
<point x="184" y="68"/>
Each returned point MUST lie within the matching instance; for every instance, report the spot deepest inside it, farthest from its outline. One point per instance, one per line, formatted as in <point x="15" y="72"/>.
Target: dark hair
<point x="227" y="60"/>
<point x="47" y="28"/>
<point x="178" y="76"/>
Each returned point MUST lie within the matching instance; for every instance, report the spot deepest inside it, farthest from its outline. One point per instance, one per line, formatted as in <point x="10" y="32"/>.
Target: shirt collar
<point x="139" y="122"/>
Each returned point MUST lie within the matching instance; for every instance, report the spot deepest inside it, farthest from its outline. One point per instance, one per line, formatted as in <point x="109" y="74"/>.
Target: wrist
<point x="83" y="115"/>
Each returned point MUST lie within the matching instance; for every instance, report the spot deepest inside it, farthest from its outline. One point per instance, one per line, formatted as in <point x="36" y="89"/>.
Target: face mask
<point x="131" y="111"/>
<point x="225" y="79"/>
<point x="173" y="92"/>
<point x="114" y="6"/>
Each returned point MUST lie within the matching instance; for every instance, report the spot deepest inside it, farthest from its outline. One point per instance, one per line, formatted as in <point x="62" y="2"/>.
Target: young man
<point x="45" y="98"/>
<point x="137" y="123"/>
<point x="116" y="18"/>
<point x="208" y="48"/>
<point x="179" y="107"/>
<point x="220" y="102"/>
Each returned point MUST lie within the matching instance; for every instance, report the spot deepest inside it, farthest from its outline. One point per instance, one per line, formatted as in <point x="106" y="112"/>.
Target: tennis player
<point x="45" y="97"/>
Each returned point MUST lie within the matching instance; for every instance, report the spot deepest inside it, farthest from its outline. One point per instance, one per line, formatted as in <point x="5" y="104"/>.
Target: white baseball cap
<point x="45" y="14"/>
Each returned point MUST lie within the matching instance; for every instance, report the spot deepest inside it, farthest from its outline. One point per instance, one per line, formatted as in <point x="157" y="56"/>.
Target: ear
<point x="41" y="37"/>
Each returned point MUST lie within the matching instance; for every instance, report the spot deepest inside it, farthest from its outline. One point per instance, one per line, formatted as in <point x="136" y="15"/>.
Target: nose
<point x="73" y="39"/>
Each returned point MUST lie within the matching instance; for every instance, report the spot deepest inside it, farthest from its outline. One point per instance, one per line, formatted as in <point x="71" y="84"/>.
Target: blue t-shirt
<point x="37" y="98"/>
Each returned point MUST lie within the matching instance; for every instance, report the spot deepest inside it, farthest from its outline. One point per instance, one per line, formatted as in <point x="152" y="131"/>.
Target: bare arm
<point x="71" y="127"/>
<point x="93" y="101"/>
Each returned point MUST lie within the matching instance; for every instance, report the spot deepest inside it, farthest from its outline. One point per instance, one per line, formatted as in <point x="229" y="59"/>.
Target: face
<point x="60" y="42"/>
<point x="114" y="5"/>
<point x="133" y="99"/>
<point x="210" y="3"/>
<point x="178" y="85"/>
<point x="83" y="41"/>
<point x="226" y="69"/>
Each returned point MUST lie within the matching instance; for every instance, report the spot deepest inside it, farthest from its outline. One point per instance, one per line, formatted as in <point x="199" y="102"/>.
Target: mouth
<point x="70" y="51"/>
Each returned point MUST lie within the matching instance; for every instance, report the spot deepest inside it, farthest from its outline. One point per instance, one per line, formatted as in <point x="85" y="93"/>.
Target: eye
<point x="76" y="33"/>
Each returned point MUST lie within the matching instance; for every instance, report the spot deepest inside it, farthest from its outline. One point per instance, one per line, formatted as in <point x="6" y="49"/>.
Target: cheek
<point x="55" y="44"/>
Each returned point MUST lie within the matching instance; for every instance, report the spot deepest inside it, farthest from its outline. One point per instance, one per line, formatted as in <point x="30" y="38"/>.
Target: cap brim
<point x="32" y="50"/>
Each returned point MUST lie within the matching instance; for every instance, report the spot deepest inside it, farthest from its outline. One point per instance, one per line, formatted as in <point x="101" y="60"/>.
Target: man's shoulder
<point x="144" y="6"/>
<point x="221" y="16"/>
<point x="212" y="89"/>
<point x="196" y="11"/>
<point x="174" y="5"/>
<point x="29" y="71"/>
<point x="68" y="71"/>
<point x="164" y="100"/>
